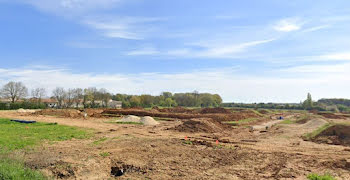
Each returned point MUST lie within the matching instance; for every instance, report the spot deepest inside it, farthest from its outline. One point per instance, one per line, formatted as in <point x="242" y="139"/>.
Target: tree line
<point x="93" y="98"/>
<point x="168" y="99"/>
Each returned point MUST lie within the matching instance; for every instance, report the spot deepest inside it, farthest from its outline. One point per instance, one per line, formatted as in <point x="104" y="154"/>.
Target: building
<point x="50" y="103"/>
<point x="114" y="104"/>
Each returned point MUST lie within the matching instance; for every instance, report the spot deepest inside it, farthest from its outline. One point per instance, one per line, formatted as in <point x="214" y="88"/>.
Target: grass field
<point x="16" y="136"/>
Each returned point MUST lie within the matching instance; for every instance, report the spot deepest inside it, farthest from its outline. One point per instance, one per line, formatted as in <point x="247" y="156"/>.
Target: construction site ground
<point x="199" y="144"/>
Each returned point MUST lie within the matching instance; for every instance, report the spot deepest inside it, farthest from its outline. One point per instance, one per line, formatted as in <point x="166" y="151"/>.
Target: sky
<point x="246" y="51"/>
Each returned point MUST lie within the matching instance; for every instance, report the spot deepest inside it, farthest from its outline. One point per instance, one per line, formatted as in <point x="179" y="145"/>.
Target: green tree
<point x="308" y="103"/>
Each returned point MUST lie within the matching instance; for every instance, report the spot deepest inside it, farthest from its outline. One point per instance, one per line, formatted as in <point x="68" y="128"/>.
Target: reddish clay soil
<point x="209" y="151"/>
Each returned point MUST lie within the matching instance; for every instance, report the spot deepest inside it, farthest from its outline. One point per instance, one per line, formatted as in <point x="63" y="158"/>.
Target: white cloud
<point x="232" y="85"/>
<point x="288" y="25"/>
<point x="316" y="28"/>
<point x="324" y="69"/>
<point x="336" y="56"/>
<point x="69" y="7"/>
<point x="144" y="51"/>
<point x="135" y="28"/>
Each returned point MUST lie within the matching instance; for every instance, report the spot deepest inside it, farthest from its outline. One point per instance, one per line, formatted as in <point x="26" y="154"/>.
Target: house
<point x="50" y="103"/>
<point x="114" y="104"/>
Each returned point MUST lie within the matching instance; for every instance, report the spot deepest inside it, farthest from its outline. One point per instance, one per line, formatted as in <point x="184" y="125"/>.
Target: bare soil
<point x="197" y="147"/>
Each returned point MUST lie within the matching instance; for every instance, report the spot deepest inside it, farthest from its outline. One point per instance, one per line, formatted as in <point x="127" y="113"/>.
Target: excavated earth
<point x="195" y="147"/>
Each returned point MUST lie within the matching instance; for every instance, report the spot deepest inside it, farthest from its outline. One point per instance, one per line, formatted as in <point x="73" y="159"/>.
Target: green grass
<point x="98" y="142"/>
<point x="287" y="121"/>
<point x="163" y="119"/>
<point x="242" y="122"/>
<point x="15" y="135"/>
<point x="12" y="169"/>
<point x="318" y="131"/>
<point x="320" y="177"/>
<point x="105" y="154"/>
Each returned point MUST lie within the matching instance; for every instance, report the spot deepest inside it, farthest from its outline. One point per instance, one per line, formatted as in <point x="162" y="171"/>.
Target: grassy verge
<point x="317" y="131"/>
<point x="17" y="137"/>
<point x="242" y="122"/>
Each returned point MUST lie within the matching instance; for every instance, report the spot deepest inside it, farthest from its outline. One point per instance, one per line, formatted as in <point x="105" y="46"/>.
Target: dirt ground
<point x="180" y="148"/>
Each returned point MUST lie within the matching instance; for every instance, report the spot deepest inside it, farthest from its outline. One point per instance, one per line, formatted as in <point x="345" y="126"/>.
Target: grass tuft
<point x="320" y="177"/>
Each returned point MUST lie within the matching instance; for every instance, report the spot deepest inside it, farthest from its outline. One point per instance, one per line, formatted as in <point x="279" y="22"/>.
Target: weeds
<point x="105" y="154"/>
<point x="98" y="142"/>
<point x="320" y="177"/>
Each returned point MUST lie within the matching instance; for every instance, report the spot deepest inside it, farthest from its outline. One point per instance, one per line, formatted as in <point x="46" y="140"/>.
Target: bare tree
<point x="105" y="96"/>
<point x="77" y="96"/>
<point x="91" y="95"/>
<point x="60" y="95"/>
<point x="14" y="91"/>
<point x="70" y="98"/>
<point x="38" y="93"/>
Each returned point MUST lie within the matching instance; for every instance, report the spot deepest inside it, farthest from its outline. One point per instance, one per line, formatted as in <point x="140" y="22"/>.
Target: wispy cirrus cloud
<point x="134" y="28"/>
<point x="204" y="50"/>
<point x="71" y="7"/>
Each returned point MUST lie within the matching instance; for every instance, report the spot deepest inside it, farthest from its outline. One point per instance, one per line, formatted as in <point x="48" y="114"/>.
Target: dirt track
<point x="161" y="152"/>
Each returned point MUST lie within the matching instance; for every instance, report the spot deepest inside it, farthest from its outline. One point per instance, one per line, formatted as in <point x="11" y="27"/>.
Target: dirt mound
<point x="130" y="118"/>
<point x="71" y="113"/>
<point x="148" y="121"/>
<point x="94" y="112"/>
<point x="214" y="111"/>
<point x="176" y="110"/>
<point x="206" y="125"/>
<point x="263" y="111"/>
<point x="337" y="135"/>
<point x="334" y="115"/>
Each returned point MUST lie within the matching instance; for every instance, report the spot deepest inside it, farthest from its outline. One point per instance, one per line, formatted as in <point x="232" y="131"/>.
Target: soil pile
<point x="214" y="111"/>
<point x="334" y="115"/>
<point x="94" y="112"/>
<point x="337" y="135"/>
<point x="130" y="119"/>
<point x="71" y="113"/>
<point x="148" y="121"/>
<point x="205" y="125"/>
<point x="263" y="111"/>
<point x="176" y="110"/>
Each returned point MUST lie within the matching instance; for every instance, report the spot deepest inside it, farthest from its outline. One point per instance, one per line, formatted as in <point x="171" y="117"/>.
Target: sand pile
<point x="130" y="118"/>
<point x="149" y="121"/>
<point x="206" y="125"/>
<point x="25" y="110"/>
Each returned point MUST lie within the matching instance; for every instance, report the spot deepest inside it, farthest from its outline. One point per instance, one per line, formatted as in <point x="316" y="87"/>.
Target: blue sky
<point x="247" y="51"/>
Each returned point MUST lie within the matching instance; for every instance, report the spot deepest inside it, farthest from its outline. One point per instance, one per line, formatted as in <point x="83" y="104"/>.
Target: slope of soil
<point x="337" y="135"/>
<point x="71" y="113"/>
<point x="205" y="125"/>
